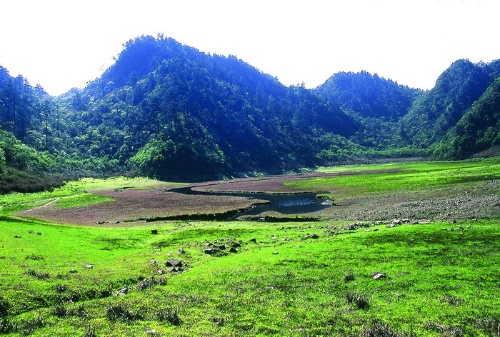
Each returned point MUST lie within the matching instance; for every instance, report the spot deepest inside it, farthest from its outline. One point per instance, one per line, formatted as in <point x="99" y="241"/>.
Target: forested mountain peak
<point x="439" y="109"/>
<point x="368" y="95"/>
<point x="174" y="109"/>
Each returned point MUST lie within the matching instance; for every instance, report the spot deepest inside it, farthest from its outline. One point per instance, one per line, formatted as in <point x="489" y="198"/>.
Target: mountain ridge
<point x="169" y="111"/>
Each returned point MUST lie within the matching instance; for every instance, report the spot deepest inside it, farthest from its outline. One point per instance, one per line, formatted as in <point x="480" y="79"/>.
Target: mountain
<point x="440" y="109"/>
<point x="377" y="104"/>
<point x="478" y="129"/>
<point x="367" y="95"/>
<point x="169" y="111"/>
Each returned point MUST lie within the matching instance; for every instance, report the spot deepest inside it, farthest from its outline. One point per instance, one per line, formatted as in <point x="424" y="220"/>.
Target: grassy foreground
<point x="327" y="278"/>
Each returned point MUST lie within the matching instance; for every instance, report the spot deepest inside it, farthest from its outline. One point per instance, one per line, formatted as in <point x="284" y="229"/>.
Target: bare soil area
<point x="476" y="201"/>
<point x="132" y="206"/>
<point x="480" y="200"/>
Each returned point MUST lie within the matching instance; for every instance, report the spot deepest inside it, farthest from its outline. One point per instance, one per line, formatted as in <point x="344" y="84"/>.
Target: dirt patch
<point x="474" y="201"/>
<point x="132" y="205"/>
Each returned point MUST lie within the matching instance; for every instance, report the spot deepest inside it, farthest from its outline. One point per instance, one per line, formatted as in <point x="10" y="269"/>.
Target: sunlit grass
<point x="441" y="279"/>
<point x="404" y="176"/>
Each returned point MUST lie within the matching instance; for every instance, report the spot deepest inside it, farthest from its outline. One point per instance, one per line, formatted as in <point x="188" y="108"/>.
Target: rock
<point x="233" y="250"/>
<point x="254" y="240"/>
<point x="17" y="236"/>
<point x="174" y="263"/>
<point x="275" y="253"/>
<point x="377" y="275"/>
<point x="311" y="236"/>
<point x="153" y="261"/>
<point x="123" y="291"/>
<point x="181" y="251"/>
<point x="211" y="250"/>
<point x="73" y="271"/>
<point x="154" y="231"/>
<point x="89" y="266"/>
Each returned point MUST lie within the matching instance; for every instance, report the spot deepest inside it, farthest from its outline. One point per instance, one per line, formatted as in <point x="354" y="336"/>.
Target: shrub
<point x="349" y="276"/>
<point x="361" y="300"/>
<point x="491" y="326"/>
<point x="122" y="313"/>
<point x="40" y="276"/>
<point x="169" y="315"/>
<point x="89" y="331"/>
<point x="380" y="329"/>
<point x="4" y="307"/>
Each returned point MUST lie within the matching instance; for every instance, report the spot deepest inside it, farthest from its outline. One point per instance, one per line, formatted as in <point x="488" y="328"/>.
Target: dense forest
<point x="169" y="111"/>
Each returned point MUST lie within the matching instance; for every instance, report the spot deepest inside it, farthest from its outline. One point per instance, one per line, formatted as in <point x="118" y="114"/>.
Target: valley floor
<point x="408" y="249"/>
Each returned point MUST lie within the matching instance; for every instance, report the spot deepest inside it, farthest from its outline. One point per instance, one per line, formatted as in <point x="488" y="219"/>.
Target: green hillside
<point x="169" y="111"/>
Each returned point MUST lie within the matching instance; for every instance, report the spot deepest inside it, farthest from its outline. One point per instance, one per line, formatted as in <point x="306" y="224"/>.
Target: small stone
<point x="211" y="250"/>
<point x="174" y="263"/>
<point x="89" y="266"/>
<point x="123" y="291"/>
<point x="275" y="253"/>
<point x="378" y="276"/>
<point x="73" y="271"/>
<point x="154" y="231"/>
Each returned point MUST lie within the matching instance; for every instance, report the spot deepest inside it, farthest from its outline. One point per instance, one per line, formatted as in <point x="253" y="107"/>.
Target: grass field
<point x="346" y="275"/>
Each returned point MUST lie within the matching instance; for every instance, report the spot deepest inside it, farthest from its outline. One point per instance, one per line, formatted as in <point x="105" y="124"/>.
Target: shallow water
<point x="284" y="203"/>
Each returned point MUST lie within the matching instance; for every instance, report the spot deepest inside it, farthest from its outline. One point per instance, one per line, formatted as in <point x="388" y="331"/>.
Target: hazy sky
<point x="61" y="44"/>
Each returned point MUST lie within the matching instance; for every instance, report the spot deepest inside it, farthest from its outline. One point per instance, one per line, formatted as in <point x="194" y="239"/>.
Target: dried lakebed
<point x="139" y="206"/>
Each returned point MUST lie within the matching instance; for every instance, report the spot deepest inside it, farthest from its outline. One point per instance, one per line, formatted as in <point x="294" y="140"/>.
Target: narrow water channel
<point x="284" y="203"/>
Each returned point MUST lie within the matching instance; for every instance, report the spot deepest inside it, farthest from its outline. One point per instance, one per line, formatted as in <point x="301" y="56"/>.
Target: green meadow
<point x="250" y="278"/>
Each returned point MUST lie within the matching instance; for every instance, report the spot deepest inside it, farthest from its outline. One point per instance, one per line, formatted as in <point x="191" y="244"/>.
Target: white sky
<point x="61" y="44"/>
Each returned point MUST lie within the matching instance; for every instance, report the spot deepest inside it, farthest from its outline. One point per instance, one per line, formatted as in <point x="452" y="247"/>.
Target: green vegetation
<point x="329" y="278"/>
<point x="404" y="176"/>
<point x="171" y="112"/>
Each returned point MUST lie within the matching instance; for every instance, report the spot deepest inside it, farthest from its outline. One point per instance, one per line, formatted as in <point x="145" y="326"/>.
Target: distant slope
<point x="439" y="110"/>
<point x="368" y="95"/>
<point x="374" y="102"/>
<point x="477" y="130"/>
